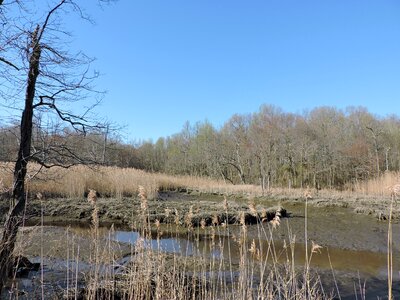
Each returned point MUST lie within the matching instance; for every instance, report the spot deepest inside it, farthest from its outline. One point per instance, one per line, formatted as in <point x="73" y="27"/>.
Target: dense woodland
<point x="326" y="147"/>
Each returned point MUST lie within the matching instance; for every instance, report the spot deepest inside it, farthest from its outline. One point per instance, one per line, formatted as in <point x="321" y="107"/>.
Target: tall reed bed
<point x="380" y="186"/>
<point x="122" y="182"/>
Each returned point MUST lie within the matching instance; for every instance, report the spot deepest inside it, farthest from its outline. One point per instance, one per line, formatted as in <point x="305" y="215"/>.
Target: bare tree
<point x="33" y="62"/>
<point x="375" y="133"/>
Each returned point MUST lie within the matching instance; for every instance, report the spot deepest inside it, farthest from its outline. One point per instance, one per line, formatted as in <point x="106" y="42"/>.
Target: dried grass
<point x="122" y="182"/>
<point x="113" y="182"/>
<point x="381" y="186"/>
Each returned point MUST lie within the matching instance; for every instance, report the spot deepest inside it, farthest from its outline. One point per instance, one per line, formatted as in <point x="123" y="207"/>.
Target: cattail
<point x="203" y="224"/>
<point x="215" y="220"/>
<point x="92" y="197"/>
<point x="253" y="247"/>
<point x="253" y="210"/>
<point x="189" y="217"/>
<point x="242" y="219"/>
<point x="315" y="248"/>
<point x="308" y="194"/>
<point x="276" y="221"/>
<point x="142" y="192"/>
<point x="234" y="238"/>
<point x="255" y="252"/>
<point x="95" y="217"/>
<point x="212" y="236"/>
<point x="140" y="245"/>
<point x="177" y="219"/>
<point x="263" y="213"/>
<point x="225" y="204"/>
<point x="157" y="223"/>
<point x="143" y="198"/>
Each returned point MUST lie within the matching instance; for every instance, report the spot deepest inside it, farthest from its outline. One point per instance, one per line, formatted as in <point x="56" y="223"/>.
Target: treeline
<point x="55" y="146"/>
<point x="323" y="148"/>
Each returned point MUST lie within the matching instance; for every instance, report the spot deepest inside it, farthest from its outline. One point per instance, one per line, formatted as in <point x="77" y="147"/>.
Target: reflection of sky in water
<point x="169" y="245"/>
<point x="347" y="260"/>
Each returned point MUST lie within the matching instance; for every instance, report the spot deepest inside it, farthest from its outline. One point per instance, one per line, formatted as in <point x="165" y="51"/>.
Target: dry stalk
<point x="189" y="218"/>
<point x="390" y="250"/>
<point x="94" y="276"/>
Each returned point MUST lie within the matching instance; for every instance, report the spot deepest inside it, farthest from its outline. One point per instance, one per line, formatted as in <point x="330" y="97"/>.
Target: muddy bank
<point x="169" y="208"/>
<point x="376" y="207"/>
<point x="336" y="226"/>
<point x="331" y="222"/>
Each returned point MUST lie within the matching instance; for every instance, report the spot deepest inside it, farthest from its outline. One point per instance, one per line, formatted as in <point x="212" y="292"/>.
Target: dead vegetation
<point x="150" y="273"/>
<point x="113" y="182"/>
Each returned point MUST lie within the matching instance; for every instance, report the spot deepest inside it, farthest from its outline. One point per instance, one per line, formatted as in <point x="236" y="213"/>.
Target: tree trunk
<point x="105" y="145"/>
<point x="15" y="215"/>
<point x="387" y="159"/>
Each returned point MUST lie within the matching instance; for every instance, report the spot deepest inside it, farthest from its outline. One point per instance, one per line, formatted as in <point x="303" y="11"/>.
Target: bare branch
<point x="44" y="26"/>
<point x="9" y="63"/>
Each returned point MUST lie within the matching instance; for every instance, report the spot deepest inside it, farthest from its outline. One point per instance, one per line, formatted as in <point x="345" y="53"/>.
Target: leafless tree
<point x="35" y="65"/>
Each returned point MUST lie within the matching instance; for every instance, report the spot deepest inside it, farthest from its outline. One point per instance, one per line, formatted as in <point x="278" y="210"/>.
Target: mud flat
<point x="331" y="222"/>
<point x="167" y="208"/>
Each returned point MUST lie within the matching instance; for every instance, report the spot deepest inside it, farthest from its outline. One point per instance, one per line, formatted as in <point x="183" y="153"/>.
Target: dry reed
<point x="122" y="182"/>
<point x="381" y="186"/>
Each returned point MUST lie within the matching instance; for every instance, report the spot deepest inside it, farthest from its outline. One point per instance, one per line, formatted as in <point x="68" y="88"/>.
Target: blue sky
<point x="165" y="62"/>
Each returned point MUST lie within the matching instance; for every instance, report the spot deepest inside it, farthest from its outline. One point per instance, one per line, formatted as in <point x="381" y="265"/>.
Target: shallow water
<point x="366" y="262"/>
<point x="349" y="266"/>
<point x="352" y="267"/>
<point x="353" y="246"/>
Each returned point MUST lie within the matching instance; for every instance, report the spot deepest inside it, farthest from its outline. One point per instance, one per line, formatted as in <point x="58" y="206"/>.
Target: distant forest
<point x="323" y="148"/>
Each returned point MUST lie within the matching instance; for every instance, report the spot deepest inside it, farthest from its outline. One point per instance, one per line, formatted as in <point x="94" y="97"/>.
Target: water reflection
<point x="223" y="247"/>
<point x="168" y="245"/>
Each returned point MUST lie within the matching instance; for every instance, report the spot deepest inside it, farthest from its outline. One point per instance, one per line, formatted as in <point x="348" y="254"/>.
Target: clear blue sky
<point x="165" y="62"/>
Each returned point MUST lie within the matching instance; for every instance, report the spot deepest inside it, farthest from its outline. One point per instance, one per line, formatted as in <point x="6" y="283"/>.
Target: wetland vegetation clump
<point x="207" y="268"/>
